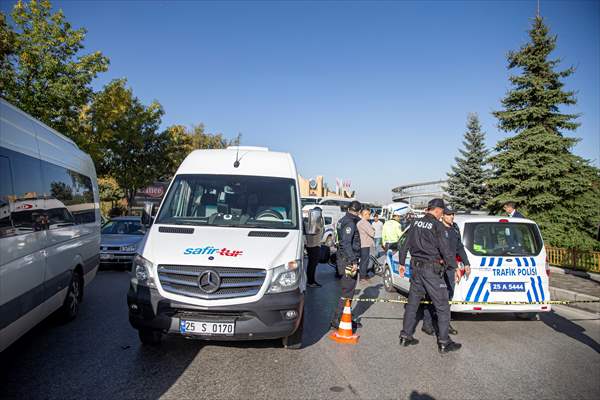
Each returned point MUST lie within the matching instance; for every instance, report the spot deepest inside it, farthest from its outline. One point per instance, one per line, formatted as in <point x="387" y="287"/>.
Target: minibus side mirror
<point x="314" y="222"/>
<point x="147" y="214"/>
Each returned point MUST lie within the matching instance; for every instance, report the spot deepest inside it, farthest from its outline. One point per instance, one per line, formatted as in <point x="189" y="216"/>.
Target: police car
<point x="508" y="264"/>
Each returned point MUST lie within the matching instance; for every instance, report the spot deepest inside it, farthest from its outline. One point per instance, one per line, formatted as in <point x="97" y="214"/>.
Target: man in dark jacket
<point x="430" y="256"/>
<point x="509" y="208"/>
<point x="452" y="234"/>
<point x="348" y="254"/>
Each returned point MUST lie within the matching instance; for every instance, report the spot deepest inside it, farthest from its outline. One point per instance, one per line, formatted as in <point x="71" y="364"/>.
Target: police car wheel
<point x="294" y="341"/>
<point x="387" y="280"/>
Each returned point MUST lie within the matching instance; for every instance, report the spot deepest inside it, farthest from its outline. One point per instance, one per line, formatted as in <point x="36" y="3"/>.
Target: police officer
<point x="348" y="254"/>
<point x="452" y="234"/>
<point x="430" y="256"/>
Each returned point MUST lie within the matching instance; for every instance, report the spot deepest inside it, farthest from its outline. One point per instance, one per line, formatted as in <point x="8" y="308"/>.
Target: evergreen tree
<point x="466" y="182"/>
<point x="536" y="168"/>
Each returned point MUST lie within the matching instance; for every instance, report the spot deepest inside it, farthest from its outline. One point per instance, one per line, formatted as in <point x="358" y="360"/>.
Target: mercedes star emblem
<point x="209" y="281"/>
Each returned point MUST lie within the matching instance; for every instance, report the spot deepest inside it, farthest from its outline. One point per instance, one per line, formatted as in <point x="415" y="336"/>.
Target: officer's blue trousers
<point x="428" y="309"/>
<point x="424" y="281"/>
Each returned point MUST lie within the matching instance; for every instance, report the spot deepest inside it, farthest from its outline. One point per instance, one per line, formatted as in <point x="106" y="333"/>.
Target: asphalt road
<point x="98" y="356"/>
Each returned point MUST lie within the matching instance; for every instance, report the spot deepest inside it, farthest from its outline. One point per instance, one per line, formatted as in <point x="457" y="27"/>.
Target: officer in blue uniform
<point x="430" y="256"/>
<point x="452" y="234"/>
<point x="348" y="254"/>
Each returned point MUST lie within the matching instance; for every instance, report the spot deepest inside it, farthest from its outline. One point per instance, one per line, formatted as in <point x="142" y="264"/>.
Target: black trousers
<point x="426" y="280"/>
<point x="365" y="259"/>
<point x="429" y="309"/>
<point x="314" y="253"/>
<point x="348" y="285"/>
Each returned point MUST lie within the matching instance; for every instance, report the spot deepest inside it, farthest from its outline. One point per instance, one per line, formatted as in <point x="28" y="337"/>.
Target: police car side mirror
<point x="314" y="222"/>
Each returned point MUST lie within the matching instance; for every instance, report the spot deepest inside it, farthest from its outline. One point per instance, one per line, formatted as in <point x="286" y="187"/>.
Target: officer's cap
<point x="449" y="210"/>
<point x="436" y="203"/>
<point x="355" y="206"/>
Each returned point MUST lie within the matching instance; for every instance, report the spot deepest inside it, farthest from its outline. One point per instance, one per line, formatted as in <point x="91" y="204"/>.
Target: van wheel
<point x="387" y="280"/>
<point x="70" y="307"/>
<point x="527" y="316"/>
<point x="294" y="341"/>
<point x="150" y="337"/>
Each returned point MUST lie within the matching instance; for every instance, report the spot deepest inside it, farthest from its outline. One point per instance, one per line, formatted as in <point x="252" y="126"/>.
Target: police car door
<point x="401" y="281"/>
<point x="507" y="259"/>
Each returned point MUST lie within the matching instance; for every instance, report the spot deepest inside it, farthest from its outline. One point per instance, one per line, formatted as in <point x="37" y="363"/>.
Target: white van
<point x="49" y="223"/>
<point x="508" y="264"/>
<point x="224" y="258"/>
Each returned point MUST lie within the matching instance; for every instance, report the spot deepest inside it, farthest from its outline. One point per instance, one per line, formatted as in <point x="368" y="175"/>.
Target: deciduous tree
<point x="43" y="70"/>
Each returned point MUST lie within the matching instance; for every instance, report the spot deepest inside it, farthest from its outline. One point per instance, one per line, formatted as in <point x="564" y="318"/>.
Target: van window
<point x="29" y="203"/>
<point x="69" y="194"/>
<point x="231" y="201"/>
<point x="503" y="239"/>
<point x="6" y="191"/>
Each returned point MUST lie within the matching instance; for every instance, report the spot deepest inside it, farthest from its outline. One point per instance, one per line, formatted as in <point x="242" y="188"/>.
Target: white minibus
<point x="223" y="260"/>
<point x="49" y="223"/>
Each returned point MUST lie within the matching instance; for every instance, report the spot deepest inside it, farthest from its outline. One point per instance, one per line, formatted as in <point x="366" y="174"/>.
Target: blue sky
<point x="375" y="92"/>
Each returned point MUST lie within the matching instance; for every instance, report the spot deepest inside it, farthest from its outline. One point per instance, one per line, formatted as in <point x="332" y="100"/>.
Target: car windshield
<point x="123" y="228"/>
<point x="503" y="239"/>
<point x="231" y="201"/>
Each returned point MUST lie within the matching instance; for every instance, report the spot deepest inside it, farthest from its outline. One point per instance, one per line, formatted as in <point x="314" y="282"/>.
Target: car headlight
<point x="142" y="270"/>
<point x="286" y="277"/>
<point x="131" y="247"/>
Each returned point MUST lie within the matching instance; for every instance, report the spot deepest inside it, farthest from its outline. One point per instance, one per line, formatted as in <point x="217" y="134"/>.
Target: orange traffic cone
<point x="344" y="332"/>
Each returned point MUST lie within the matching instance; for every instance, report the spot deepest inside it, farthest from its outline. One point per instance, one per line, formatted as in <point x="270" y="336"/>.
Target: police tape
<point x="475" y="303"/>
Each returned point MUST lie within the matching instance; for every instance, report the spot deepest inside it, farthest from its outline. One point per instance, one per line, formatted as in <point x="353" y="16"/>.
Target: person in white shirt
<point x="378" y="226"/>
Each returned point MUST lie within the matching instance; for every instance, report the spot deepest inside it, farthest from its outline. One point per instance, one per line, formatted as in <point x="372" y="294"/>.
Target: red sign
<point x="154" y="191"/>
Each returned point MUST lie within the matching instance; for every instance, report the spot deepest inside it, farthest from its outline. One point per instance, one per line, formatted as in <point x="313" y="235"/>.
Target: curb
<point x="582" y="274"/>
<point x="564" y="294"/>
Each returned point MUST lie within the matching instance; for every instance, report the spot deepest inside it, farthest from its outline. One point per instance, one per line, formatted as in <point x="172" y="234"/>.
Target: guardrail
<point x="573" y="258"/>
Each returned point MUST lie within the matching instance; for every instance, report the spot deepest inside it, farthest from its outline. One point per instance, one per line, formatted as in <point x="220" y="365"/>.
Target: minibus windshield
<point x="231" y="201"/>
<point x="502" y="239"/>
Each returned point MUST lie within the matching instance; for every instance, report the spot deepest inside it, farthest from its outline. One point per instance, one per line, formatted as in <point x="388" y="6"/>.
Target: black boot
<point x="408" y="341"/>
<point x="428" y="331"/>
<point x="448" y="347"/>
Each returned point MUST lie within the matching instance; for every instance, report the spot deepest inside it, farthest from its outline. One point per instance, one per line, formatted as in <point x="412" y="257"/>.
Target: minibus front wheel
<point x="70" y="307"/>
<point x="150" y="337"/>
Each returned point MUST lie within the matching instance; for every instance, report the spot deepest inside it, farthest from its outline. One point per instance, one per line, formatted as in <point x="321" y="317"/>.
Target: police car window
<point x="502" y="239"/>
<point x="231" y="201"/>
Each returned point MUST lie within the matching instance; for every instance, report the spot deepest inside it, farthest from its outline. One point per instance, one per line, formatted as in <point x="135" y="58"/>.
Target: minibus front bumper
<point x="267" y="318"/>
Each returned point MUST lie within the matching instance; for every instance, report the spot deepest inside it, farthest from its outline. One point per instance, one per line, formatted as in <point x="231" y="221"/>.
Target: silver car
<point x="119" y="241"/>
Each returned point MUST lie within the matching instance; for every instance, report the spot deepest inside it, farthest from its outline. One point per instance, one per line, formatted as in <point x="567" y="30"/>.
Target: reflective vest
<point x="391" y="232"/>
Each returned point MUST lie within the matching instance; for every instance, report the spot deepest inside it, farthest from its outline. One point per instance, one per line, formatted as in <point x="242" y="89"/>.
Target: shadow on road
<point x="569" y="328"/>
<point x="414" y="395"/>
<point x="370" y="292"/>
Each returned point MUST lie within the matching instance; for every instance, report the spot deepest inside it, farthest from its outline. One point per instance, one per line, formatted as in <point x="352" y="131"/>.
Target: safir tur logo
<point x="210" y="250"/>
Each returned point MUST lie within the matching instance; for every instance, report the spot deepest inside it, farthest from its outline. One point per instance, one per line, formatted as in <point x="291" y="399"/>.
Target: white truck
<point x="223" y="259"/>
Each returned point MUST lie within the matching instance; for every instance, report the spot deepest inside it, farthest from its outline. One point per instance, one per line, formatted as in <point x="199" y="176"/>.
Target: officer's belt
<point x="426" y="263"/>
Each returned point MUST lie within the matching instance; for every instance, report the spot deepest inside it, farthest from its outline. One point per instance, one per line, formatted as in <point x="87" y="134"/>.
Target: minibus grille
<point x="184" y="280"/>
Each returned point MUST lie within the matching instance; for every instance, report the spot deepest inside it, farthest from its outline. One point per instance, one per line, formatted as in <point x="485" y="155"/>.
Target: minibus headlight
<point x="286" y="277"/>
<point x="142" y="270"/>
